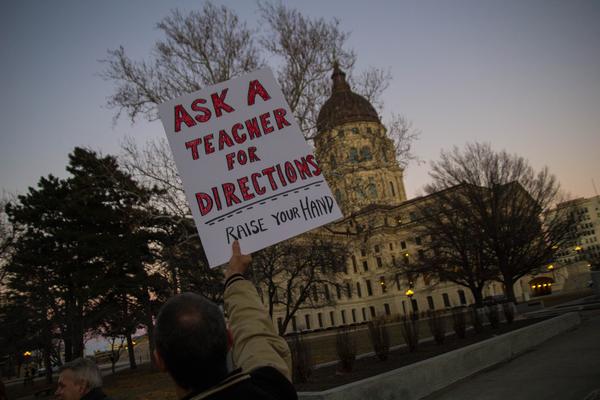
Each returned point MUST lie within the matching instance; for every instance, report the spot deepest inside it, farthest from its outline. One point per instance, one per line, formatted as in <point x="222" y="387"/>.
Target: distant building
<point x="584" y="238"/>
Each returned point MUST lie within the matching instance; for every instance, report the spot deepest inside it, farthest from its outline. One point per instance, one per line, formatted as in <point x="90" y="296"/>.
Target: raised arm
<point x="255" y="341"/>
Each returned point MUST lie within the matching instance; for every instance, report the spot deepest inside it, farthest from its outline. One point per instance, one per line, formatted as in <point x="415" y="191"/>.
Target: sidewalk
<point x="566" y="367"/>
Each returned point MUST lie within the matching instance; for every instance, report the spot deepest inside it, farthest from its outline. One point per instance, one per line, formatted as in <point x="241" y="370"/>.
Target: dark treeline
<point x="92" y="254"/>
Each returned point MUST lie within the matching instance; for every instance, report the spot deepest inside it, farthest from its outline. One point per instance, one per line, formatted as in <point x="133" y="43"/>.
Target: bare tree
<point x="306" y="49"/>
<point x="403" y="135"/>
<point x="505" y="206"/>
<point x="212" y="45"/>
<point x="453" y="249"/>
<point x="298" y="274"/>
<point x="200" y="48"/>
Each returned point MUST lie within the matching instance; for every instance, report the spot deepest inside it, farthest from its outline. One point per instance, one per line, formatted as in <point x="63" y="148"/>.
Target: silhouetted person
<point x="80" y="379"/>
<point x="192" y="343"/>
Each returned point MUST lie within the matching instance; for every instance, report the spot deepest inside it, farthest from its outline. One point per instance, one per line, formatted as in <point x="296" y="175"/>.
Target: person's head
<point x="77" y="378"/>
<point x="191" y="341"/>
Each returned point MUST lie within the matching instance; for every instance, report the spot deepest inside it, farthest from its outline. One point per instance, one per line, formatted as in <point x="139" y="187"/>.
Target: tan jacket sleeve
<point x="255" y="341"/>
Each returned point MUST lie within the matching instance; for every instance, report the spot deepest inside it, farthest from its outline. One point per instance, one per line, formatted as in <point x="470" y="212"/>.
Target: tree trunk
<point x="477" y="292"/>
<point x="509" y="289"/>
<point x="68" y="346"/>
<point x="48" y="354"/>
<point x="149" y="325"/>
<point x="130" y="352"/>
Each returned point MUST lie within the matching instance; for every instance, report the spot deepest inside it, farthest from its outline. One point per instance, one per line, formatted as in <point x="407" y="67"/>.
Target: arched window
<point x="338" y="195"/>
<point x="353" y="155"/>
<point x="372" y="188"/>
<point x="365" y="153"/>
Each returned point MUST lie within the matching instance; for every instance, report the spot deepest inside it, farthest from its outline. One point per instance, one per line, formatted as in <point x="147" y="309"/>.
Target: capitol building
<point x="358" y="160"/>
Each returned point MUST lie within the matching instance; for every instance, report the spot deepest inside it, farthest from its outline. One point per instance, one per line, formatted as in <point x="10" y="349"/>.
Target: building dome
<point x="344" y="105"/>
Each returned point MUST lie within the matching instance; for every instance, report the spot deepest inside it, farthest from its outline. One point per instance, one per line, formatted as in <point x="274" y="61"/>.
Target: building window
<point x="413" y="216"/>
<point x="358" y="291"/>
<point x="372" y="188"/>
<point x="379" y="262"/>
<point x="348" y="290"/>
<point x="382" y="284"/>
<point x="418" y="240"/>
<point x="398" y="281"/>
<point x="363" y="253"/>
<point x="320" y="318"/>
<point x="369" y="289"/>
<point x="376" y="248"/>
<point x="461" y="296"/>
<point x="338" y="291"/>
<point x="421" y="254"/>
<point x="338" y="195"/>
<point x="403" y="245"/>
<point x="430" y="303"/>
<point x="294" y="326"/>
<point x="353" y="155"/>
<point x="386" y="306"/>
<point x="393" y="260"/>
<point x="415" y="305"/>
<point x="307" y="321"/>
<point x="391" y="246"/>
<point x="373" y="315"/>
<point x="354" y="264"/>
<point x="404" y="307"/>
<point x="354" y="315"/>
<point x="365" y="265"/>
<point x="393" y="190"/>
<point x="343" y="317"/>
<point x="327" y="296"/>
<point x="332" y="318"/>
<point x="315" y="293"/>
<point x="365" y="153"/>
<point x="279" y="324"/>
<point x="446" y="299"/>
<point x="364" y="314"/>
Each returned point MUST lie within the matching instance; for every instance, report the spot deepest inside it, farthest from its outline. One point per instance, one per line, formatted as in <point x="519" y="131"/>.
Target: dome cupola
<point x="344" y="105"/>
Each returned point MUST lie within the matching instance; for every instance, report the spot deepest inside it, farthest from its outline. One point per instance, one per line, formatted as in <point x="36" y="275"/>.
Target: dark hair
<point x="191" y="338"/>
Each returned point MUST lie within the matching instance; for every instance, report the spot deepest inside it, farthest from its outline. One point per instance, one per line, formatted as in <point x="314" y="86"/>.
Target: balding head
<point x="191" y="339"/>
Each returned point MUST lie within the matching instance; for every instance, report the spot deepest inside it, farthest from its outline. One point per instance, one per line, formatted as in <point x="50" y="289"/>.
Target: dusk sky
<point x="522" y="75"/>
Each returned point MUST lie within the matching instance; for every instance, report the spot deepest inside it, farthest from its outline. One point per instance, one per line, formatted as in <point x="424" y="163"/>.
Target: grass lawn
<point x="143" y="383"/>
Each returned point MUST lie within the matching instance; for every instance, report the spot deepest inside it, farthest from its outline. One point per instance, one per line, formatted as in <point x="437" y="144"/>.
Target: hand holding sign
<point x="247" y="172"/>
<point x="238" y="263"/>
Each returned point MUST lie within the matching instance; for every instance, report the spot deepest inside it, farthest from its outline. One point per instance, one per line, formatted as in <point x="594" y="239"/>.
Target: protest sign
<point x="247" y="171"/>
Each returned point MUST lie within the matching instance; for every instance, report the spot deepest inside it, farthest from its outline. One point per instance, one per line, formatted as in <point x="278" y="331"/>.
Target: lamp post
<point x="410" y="293"/>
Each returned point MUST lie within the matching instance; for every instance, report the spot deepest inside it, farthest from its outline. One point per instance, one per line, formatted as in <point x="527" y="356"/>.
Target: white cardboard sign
<point x="247" y="171"/>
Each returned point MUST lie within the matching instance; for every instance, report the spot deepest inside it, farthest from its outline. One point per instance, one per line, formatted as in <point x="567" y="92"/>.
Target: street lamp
<point x="410" y="293"/>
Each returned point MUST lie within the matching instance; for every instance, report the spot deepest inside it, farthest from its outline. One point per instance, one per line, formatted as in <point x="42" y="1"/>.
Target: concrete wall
<point x="423" y="378"/>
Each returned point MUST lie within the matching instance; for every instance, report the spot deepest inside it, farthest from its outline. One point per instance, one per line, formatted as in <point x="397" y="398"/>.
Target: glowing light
<point x="539" y="286"/>
<point x="578" y="248"/>
<point x="550" y="267"/>
<point x="406" y="254"/>
<point x="27" y="354"/>
<point x="410" y="292"/>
